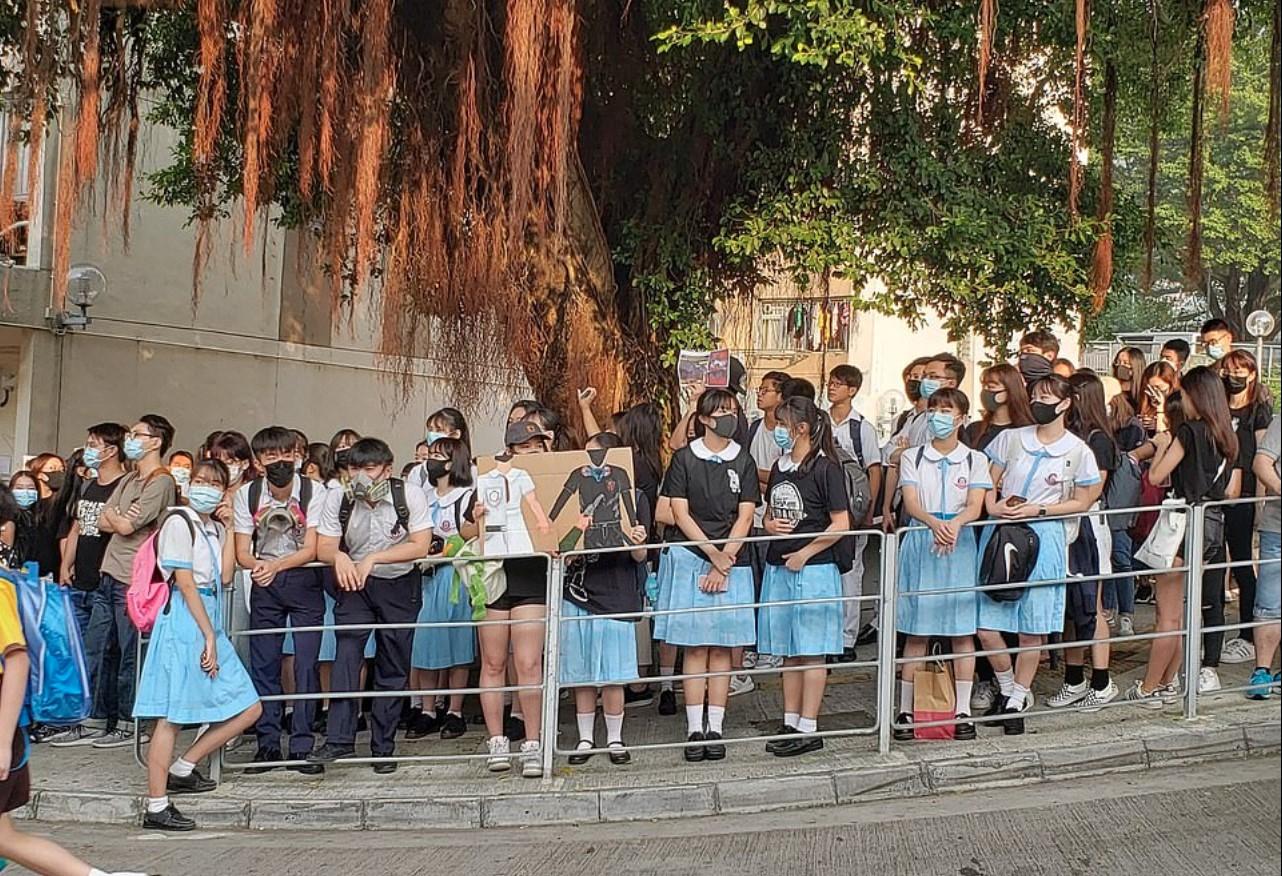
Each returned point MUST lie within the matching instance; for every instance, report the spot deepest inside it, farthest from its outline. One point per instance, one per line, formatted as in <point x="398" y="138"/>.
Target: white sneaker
<point x="118" y="738"/>
<point x="769" y="661"/>
<point x="74" y="737"/>
<point x="1238" y="651"/>
<point x="1125" y="625"/>
<point x="741" y="684"/>
<point x="500" y="760"/>
<point x="749" y="659"/>
<point x="1097" y="698"/>
<point x="982" y="697"/>
<point x="1208" y="680"/>
<point x="531" y="759"/>
<point x="1148" y="699"/>
<point x="1069" y="694"/>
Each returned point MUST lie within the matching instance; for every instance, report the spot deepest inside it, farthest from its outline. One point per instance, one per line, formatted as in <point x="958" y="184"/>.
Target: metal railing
<point x="886" y="597"/>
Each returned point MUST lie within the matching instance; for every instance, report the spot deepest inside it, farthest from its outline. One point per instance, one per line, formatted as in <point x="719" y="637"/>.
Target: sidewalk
<point x="106" y="786"/>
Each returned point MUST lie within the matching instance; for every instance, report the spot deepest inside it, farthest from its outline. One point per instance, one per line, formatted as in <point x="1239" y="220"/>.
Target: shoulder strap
<point x="753" y="428"/>
<point x="458" y="510"/>
<point x="855" y="424"/>
<point x="304" y="494"/>
<point x="921" y="453"/>
<point x="399" y="503"/>
<point x="255" y="495"/>
<point x="345" y="512"/>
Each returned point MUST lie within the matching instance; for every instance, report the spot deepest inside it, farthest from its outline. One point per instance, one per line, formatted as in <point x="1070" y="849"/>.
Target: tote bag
<point x="1166" y="537"/>
<point x="934" y="699"/>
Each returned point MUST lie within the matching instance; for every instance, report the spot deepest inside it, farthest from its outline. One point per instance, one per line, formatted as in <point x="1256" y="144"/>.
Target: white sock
<point x="667" y="672"/>
<point x="694" y="719"/>
<point x="181" y="768"/>
<point x="613" y="728"/>
<point x="587" y="724"/>
<point x="963" y="689"/>
<point x="905" y="697"/>
<point x="1005" y="680"/>
<point x="807" y="725"/>
<point x="456" y="714"/>
<point x="1018" y="696"/>
<point x="790" y="719"/>
<point x="416" y="701"/>
<point x="716" y="717"/>
<point x="157" y="804"/>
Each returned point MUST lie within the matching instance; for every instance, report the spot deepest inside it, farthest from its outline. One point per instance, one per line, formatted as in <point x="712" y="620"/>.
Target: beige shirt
<point x="152" y="497"/>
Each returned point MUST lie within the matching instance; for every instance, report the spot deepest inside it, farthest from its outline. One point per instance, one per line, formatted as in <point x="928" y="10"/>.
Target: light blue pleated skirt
<point x="596" y="650"/>
<point x="809" y="630"/>
<point x="947" y="614"/>
<point x="664" y="600"/>
<point x="731" y="626"/>
<point x="443" y="647"/>
<point x="173" y="686"/>
<point x="1039" y="611"/>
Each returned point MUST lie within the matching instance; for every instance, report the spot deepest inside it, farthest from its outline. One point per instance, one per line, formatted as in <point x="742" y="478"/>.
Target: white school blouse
<point x="944" y="482"/>
<point x="1044" y="474"/>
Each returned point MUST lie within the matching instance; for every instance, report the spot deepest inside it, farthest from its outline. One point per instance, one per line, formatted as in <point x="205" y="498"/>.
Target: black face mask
<point x="725" y="425"/>
<point x="1034" y="366"/>
<point x="279" y="473"/>
<point x="1124" y="373"/>
<point x="988" y="399"/>
<point x="437" y="469"/>
<point x="54" y="479"/>
<point x="341" y="457"/>
<point x="1045" y="412"/>
<point x="1234" y="385"/>
<point x="597" y="455"/>
<point x="913" y="388"/>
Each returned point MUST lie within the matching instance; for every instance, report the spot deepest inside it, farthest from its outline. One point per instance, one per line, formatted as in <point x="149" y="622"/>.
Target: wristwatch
<point x="1041" y="511"/>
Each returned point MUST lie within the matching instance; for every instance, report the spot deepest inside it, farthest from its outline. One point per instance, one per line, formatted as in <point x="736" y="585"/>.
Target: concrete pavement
<point x="1210" y="818"/>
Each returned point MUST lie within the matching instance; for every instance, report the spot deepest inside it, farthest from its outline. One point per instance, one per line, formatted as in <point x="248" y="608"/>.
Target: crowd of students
<point x="332" y="534"/>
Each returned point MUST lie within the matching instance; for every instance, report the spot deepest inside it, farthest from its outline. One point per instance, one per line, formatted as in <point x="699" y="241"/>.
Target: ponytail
<point x="800" y="409"/>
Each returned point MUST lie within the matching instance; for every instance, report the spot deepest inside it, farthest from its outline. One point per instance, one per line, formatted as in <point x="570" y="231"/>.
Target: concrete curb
<point x="1160" y="747"/>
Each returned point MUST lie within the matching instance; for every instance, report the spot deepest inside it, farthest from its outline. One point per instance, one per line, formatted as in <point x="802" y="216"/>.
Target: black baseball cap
<point x="522" y="431"/>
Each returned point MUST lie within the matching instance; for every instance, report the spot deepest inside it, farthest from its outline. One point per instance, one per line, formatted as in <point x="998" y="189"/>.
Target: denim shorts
<point x="1268" y="589"/>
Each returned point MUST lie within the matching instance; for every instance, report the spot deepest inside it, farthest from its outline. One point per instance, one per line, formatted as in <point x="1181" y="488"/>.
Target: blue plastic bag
<point x="58" y="692"/>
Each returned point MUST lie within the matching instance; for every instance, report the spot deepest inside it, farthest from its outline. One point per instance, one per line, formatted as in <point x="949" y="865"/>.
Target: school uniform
<point x="393" y="594"/>
<point x="808" y="498"/>
<point x="445" y="599"/>
<point x="1092" y="553"/>
<point x="15" y="788"/>
<point x="295" y="597"/>
<point x="172" y="684"/>
<point x="599" y="650"/>
<point x="857" y="438"/>
<point x="714" y="485"/>
<point x="1043" y="474"/>
<point x="944" y="483"/>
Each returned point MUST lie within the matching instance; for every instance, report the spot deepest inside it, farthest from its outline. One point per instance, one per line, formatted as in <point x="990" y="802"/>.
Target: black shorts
<point x="509" y="601"/>
<point x="527" y="583"/>
<point x="15" y="790"/>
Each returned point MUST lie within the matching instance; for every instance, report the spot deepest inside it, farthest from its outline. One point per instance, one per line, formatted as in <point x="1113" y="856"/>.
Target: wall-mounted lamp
<point x="84" y="284"/>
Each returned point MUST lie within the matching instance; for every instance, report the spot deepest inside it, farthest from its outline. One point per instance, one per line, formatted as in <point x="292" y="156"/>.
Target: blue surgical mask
<point x="134" y="449"/>
<point x="1216" y="352"/>
<point x="941" y="425"/>
<point x="92" y="457"/>
<point x="204" y="498"/>
<point x="433" y="437"/>
<point x="783" y="438"/>
<point x="930" y="386"/>
<point x="26" y="497"/>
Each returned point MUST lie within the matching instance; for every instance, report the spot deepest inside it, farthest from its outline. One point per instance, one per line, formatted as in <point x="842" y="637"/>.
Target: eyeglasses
<point x="136" y="434"/>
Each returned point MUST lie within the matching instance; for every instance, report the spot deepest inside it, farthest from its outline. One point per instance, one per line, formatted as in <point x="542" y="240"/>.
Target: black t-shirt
<point x="1202" y="474"/>
<point x="714" y="490"/>
<point x="809" y="498"/>
<point x="976" y="436"/>
<point x="609" y="583"/>
<point x="1246" y="422"/>
<point x="91" y="544"/>
<point x="1107" y="455"/>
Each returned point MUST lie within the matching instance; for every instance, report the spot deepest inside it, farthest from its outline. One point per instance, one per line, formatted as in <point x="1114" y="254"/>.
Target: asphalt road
<point x="1216" y="818"/>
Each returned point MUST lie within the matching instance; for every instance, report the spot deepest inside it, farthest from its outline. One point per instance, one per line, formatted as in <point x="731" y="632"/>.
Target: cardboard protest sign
<point x="704" y="368"/>
<point x="564" y="501"/>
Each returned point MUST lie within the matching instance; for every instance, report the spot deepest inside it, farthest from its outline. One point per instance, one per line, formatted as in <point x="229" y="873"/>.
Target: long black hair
<point x="1089" y="412"/>
<point x="641" y="428"/>
<point x="453" y="420"/>
<point x="1205" y="390"/>
<point x="798" y="410"/>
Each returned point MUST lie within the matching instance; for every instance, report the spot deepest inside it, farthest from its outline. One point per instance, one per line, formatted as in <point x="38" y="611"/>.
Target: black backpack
<point x="398" y="502"/>
<point x="256" y="496"/>
<point x="1009" y="558"/>
<point x="1123" y="491"/>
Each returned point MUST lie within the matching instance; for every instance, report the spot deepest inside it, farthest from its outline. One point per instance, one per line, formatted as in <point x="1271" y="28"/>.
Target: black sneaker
<point x="783" y="729"/>
<point x="385" y="768"/>
<point x="425" y="724"/>
<point x="168" y="819"/>
<point x="44" y="732"/>
<point x="695" y="751"/>
<point x="1013" y="726"/>
<point x="867" y="635"/>
<point x="965" y="731"/>
<point x="667" y="702"/>
<point x="849" y="655"/>
<point x="714" y="752"/>
<point x="320" y="723"/>
<point x="636" y="698"/>
<point x="803" y="744"/>
<point x="263" y="756"/>
<point x="362" y="723"/>
<point x="514" y="728"/>
<point x="192" y="784"/>
<point x="453" y="726"/>
<point x="903" y="734"/>
<point x="331" y="752"/>
<point x="306" y="769"/>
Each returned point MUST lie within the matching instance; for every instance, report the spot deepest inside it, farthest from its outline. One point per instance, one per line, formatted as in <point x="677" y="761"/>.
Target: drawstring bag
<point x="934" y="699"/>
<point x="58" y="690"/>
<point x="1166" y="539"/>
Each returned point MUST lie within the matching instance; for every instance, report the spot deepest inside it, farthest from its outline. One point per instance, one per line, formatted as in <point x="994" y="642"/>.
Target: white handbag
<point x="1166" y="539"/>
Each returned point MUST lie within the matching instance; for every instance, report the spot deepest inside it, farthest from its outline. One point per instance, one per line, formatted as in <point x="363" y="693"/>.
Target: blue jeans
<point x="111" y="644"/>
<point x="82" y="604"/>
<point x="1268" y="592"/>
<point x="1119" y="593"/>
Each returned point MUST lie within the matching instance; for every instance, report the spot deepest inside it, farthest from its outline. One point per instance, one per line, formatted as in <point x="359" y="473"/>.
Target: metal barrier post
<point x="551" y="664"/>
<point x="889" y="587"/>
<point x="1195" y="536"/>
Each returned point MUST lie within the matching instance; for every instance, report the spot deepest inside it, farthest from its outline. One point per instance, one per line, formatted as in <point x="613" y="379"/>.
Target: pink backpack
<point x="148" y="592"/>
